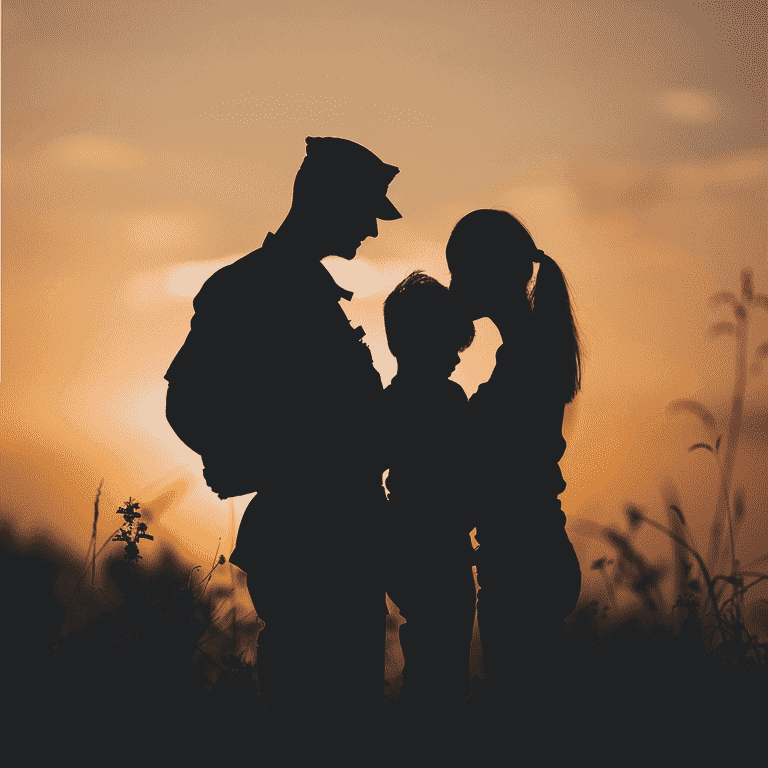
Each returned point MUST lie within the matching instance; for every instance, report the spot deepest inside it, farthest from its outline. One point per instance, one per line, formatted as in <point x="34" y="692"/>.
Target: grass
<point x="147" y="644"/>
<point x="706" y="596"/>
<point x="144" y="656"/>
<point x="125" y="637"/>
<point x="145" y="637"/>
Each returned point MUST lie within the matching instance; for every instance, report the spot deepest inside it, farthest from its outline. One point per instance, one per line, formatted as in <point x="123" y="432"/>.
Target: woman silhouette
<point x="528" y="572"/>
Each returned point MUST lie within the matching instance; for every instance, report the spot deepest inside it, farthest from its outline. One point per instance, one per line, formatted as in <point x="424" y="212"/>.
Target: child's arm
<point x="457" y="473"/>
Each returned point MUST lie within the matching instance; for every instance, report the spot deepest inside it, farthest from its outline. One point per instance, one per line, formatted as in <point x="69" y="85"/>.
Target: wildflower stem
<point x="93" y="535"/>
<point x="740" y="593"/>
<point x="205" y="579"/>
<point x="231" y="572"/>
<point x="189" y="580"/>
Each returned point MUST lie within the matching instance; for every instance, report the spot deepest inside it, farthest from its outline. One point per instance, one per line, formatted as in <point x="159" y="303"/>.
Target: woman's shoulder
<point x="508" y="373"/>
<point x="520" y="373"/>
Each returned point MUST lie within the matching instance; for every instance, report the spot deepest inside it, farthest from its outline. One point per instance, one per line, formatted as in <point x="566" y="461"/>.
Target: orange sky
<point x="145" y="144"/>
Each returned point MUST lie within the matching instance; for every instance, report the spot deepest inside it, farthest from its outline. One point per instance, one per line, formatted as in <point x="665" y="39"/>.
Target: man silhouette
<point x="279" y="395"/>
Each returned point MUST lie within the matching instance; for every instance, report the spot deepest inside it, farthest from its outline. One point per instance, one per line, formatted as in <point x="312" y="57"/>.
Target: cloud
<point x="176" y="283"/>
<point x="746" y="166"/>
<point x="156" y="232"/>
<point x="95" y="152"/>
<point x="688" y="106"/>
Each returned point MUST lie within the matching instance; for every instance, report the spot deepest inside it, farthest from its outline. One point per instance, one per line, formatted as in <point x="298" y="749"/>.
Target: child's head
<point x="425" y="327"/>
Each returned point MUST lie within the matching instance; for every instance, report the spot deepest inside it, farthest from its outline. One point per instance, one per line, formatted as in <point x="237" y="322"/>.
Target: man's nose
<point x="373" y="229"/>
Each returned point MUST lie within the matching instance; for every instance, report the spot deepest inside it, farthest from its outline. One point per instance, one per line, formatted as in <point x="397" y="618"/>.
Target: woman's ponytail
<point x="557" y="324"/>
<point x="496" y="243"/>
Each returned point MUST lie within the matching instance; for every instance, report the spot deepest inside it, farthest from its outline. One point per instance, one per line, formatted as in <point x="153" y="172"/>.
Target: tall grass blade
<point x="93" y="535"/>
<point x="685" y="405"/>
<point x="682" y="565"/>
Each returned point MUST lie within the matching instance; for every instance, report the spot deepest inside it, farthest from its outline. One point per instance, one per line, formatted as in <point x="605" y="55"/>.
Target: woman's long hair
<point x="483" y="237"/>
<point x="557" y="325"/>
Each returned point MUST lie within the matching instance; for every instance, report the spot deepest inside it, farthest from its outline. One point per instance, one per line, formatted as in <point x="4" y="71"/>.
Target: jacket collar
<point x="317" y="269"/>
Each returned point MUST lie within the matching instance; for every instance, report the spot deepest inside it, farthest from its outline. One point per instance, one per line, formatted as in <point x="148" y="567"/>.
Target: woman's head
<point x="490" y="255"/>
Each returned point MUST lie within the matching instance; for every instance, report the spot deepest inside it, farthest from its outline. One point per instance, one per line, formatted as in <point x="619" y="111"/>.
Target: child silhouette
<point x="429" y="551"/>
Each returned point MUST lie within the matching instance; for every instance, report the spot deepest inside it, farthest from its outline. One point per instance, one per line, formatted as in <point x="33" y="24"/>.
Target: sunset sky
<point x="148" y="143"/>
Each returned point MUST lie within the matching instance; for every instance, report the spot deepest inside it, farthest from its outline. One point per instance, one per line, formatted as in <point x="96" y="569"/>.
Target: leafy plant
<point x="131" y="531"/>
<point x="150" y="616"/>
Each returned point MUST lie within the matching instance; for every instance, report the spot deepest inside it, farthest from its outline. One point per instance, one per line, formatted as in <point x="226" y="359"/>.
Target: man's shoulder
<point x="248" y="272"/>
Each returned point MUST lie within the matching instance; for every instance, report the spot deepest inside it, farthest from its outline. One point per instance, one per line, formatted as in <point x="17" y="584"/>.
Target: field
<point x="102" y="653"/>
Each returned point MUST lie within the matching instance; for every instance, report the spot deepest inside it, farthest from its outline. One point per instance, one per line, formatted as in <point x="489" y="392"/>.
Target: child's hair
<point x="420" y="308"/>
<point x="484" y="238"/>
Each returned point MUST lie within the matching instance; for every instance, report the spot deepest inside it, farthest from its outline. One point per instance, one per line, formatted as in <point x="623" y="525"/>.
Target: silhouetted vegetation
<point x="87" y="644"/>
<point x="114" y="638"/>
<point x="138" y="639"/>
<point x="698" y="646"/>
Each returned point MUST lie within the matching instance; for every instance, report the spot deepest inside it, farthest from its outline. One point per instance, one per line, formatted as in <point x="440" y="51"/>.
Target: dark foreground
<point x="128" y="680"/>
<point x="627" y="693"/>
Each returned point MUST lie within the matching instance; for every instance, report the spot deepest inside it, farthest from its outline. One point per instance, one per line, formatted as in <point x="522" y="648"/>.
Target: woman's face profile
<point x="489" y="259"/>
<point x="465" y="286"/>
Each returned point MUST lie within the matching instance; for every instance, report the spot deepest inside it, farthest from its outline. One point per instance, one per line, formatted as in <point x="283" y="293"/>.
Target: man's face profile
<point x="346" y="225"/>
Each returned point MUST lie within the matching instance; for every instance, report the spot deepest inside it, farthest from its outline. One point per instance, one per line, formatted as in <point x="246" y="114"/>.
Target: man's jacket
<point x="273" y="387"/>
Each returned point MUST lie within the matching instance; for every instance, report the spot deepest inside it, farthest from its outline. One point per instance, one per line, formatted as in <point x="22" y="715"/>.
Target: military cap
<point x="340" y="164"/>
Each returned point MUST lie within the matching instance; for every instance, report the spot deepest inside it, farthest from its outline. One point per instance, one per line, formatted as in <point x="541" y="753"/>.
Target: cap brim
<point x="386" y="211"/>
